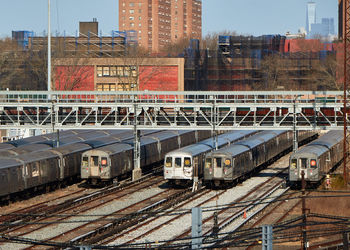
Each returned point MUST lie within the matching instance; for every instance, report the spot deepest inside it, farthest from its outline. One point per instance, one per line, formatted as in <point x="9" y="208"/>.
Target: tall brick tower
<point x="161" y="22"/>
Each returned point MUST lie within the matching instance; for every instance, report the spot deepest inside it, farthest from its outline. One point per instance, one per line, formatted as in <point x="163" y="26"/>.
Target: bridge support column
<point x="136" y="173"/>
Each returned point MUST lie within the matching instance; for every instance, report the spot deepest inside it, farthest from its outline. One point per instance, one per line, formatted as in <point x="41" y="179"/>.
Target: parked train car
<point x="227" y="165"/>
<point x="39" y="169"/>
<point x="180" y="165"/>
<point x="87" y="137"/>
<point x="116" y="160"/>
<point x="317" y="158"/>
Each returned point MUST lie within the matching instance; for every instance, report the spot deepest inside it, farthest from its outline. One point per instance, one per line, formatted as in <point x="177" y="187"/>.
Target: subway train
<point x="36" y="170"/>
<point x="50" y="139"/>
<point x="115" y="161"/>
<point x="317" y="158"/>
<point x="46" y="142"/>
<point x="180" y="165"/>
<point x="227" y="165"/>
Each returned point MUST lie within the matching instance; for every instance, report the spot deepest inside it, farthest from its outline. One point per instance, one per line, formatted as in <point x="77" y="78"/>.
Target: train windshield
<point x="293" y="164"/>
<point x="303" y="162"/>
<point x="85" y="161"/>
<point x="168" y="162"/>
<point x="208" y="163"/>
<point x="178" y="162"/>
<point x="187" y="162"/>
<point x="217" y="162"/>
<point x="94" y="161"/>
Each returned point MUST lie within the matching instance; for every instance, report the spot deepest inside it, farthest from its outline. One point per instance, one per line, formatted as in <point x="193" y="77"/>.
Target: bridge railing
<point x="195" y="97"/>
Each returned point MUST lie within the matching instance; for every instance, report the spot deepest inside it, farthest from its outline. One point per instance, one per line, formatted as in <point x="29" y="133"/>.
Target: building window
<point x="113" y="71"/>
<point x="131" y="18"/>
<point x="105" y="86"/>
<point x="131" y="11"/>
<point x="99" y="71"/>
<point x="131" y="4"/>
<point x="105" y="71"/>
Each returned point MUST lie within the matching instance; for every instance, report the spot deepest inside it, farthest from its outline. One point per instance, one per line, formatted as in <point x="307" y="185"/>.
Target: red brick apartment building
<point x="161" y="22"/>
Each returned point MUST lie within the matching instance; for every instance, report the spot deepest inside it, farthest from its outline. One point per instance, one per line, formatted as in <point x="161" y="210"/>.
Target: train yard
<point x="152" y="213"/>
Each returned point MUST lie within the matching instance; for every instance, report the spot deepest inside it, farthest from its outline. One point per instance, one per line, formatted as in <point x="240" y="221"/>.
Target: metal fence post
<point x="196" y="228"/>
<point x="267" y="237"/>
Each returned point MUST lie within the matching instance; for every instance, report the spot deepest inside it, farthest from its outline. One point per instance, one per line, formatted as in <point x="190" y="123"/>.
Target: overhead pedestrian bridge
<point x="172" y="110"/>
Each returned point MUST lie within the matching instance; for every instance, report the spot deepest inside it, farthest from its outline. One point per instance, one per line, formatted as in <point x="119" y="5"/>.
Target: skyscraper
<point x="161" y="22"/>
<point x="310" y="15"/>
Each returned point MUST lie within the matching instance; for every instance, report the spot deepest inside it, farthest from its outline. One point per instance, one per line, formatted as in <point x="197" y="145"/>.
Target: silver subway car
<point x="317" y="158"/>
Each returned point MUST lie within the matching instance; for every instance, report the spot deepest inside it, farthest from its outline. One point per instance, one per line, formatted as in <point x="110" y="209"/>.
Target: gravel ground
<point x="179" y="226"/>
<point x="111" y="207"/>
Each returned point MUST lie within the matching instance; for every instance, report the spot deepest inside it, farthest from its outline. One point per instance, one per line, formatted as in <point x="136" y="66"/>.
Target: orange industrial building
<point x="119" y="74"/>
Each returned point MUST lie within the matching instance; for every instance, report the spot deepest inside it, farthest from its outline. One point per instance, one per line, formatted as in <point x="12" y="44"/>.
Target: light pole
<point x="49" y="48"/>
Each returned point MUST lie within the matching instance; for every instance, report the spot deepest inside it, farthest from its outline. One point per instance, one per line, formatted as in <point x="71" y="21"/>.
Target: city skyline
<point x="249" y="17"/>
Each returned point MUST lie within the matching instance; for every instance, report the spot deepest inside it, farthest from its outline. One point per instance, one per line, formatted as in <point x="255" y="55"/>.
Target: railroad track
<point x="173" y="220"/>
<point x="44" y="210"/>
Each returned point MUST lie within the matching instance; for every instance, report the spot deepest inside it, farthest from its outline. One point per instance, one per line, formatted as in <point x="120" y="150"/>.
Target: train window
<point x="104" y="161"/>
<point x="218" y="162"/>
<point x="208" y="163"/>
<point x="328" y="156"/>
<point x="187" y="161"/>
<point x="168" y="162"/>
<point x="94" y="161"/>
<point x="303" y="162"/>
<point x="85" y="161"/>
<point x="293" y="163"/>
<point x="178" y="162"/>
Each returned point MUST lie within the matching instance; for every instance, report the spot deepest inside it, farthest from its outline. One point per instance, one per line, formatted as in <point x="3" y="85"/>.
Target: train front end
<point x="217" y="169"/>
<point x="178" y="168"/>
<point x="95" y="166"/>
<point x="304" y="162"/>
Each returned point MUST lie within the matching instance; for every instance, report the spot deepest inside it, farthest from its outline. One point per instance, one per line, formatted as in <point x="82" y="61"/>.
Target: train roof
<point x="191" y="150"/>
<point x="9" y="162"/>
<point x="162" y="135"/>
<point x="208" y="144"/>
<point x="110" y="149"/>
<point x="259" y="138"/>
<point x="71" y="148"/>
<point x="6" y="146"/>
<point x="35" y="156"/>
<point x="231" y="150"/>
<point x="315" y="150"/>
<point x="102" y="141"/>
<point x="27" y="149"/>
<point x="329" y="139"/>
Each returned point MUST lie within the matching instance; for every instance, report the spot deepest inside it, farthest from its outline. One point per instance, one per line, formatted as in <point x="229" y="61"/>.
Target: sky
<point x="246" y="17"/>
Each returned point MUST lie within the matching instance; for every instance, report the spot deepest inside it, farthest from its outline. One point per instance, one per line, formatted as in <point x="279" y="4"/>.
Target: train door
<point x="94" y="166"/>
<point x="303" y="165"/>
<point x="178" y="169"/>
<point x="218" y="167"/>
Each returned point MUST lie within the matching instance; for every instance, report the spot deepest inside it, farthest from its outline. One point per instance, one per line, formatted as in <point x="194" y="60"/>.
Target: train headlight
<point x="227" y="162"/>
<point x="313" y="163"/>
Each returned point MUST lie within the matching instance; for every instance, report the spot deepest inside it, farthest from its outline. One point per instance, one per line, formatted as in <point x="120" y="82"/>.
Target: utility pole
<point x="346" y="43"/>
<point x="49" y="48"/>
<point x="303" y="211"/>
